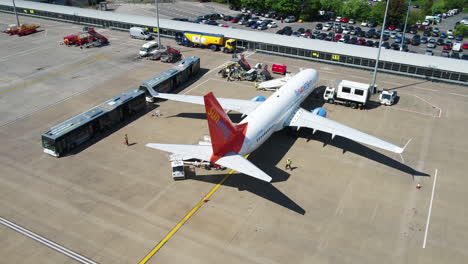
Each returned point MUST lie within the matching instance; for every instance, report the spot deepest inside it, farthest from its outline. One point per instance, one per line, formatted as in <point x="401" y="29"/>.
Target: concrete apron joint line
<point x="186" y="218"/>
<point x="55" y="73"/>
<point x="67" y="252"/>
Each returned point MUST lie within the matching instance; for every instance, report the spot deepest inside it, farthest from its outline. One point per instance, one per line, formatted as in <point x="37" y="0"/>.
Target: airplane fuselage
<point x="272" y="114"/>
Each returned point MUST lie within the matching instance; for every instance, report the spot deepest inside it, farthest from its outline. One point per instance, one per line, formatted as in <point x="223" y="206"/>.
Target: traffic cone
<point x="418" y="186"/>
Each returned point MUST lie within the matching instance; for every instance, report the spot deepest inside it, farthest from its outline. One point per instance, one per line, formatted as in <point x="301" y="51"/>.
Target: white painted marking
<point x="196" y="86"/>
<point x="430" y="210"/>
<point x="67" y="252"/>
<point x="459" y="94"/>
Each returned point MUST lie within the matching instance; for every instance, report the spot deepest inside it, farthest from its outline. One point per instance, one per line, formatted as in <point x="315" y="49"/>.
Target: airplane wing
<point x="231" y="160"/>
<point x="304" y="118"/>
<point x="238" y="105"/>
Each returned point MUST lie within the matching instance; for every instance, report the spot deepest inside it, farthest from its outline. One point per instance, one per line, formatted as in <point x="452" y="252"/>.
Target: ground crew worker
<point x="288" y="164"/>
<point x="126" y="139"/>
<point x="256" y="85"/>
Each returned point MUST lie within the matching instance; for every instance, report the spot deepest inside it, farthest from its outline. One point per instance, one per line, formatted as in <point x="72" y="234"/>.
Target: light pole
<point x="404" y="30"/>
<point x="16" y="14"/>
<point x="374" y="76"/>
<point x="157" y="15"/>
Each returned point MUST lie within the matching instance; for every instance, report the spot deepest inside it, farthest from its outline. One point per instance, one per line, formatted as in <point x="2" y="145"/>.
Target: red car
<point x="465" y="46"/>
<point x="337" y="36"/>
<point x="391" y="27"/>
<point x="235" y="20"/>
<point x="447" y="47"/>
<point x="344" y="20"/>
<point x="361" y="41"/>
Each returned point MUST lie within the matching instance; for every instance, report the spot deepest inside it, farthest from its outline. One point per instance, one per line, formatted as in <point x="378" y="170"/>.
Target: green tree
<point x="415" y="16"/>
<point x="438" y="7"/>
<point x="427" y="7"/>
<point x="461" y="30"/>
<point x="287" y="7"/>
<point x="396" y="11"/>
<point x="451" y="4"/>
<point x="357" y="9"/>
<point x="377" y="13"/>
<point x="254" y="4"/>
<point x="332" y="5"/>
<point x="309" y="9"/>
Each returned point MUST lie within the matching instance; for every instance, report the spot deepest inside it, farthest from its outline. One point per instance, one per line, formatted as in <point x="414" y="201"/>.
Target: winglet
<point x="225" y="136"/>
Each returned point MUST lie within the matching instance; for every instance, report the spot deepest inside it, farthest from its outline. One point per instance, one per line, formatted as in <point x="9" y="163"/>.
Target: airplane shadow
<point x="359" y="149"/>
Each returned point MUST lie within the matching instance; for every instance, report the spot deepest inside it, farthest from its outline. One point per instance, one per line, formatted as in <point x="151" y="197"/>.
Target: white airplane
<point x="230" y="142"/>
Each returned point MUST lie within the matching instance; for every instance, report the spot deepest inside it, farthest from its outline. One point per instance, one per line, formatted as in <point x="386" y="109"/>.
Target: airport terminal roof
<point x="420" y="60"/>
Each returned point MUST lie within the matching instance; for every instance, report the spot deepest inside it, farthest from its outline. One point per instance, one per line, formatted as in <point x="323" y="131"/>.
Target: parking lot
<point x="191" y="10"/>
<point x="343" y="203"/>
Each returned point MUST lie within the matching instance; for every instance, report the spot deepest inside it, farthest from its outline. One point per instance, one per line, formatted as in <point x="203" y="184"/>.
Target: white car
<point x="338" y="19"/>
<point x="393" y="35"/>
<point x="346" y="31"/>
<point x="327" y="26"/>
<point x="272" y="25"/>
<point x="364" y="24"/>
<point x="352" y="21"/>
<point x="426" y="23"/>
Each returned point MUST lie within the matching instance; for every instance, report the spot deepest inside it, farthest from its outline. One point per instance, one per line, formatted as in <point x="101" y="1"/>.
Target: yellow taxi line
<point x="53" y="74"/>
<point x="186" y="218"/>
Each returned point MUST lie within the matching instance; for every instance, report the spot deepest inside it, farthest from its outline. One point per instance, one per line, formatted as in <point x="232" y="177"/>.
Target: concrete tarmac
<point x="344" y="202"/>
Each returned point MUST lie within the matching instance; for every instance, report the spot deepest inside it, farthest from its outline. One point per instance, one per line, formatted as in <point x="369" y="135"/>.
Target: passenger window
<point x="346" y="90"/>
<point x="358" y="92"/>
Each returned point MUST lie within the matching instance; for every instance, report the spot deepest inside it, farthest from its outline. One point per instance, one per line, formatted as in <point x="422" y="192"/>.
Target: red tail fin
<point x="225" y="136"/>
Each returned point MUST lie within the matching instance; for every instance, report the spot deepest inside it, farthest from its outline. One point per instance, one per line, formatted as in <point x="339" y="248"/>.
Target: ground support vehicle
<point x="206" y="40"/>
<point x="278" y="69"/>
<point x="170" y="55"/>
<point x="22" y="30"/>
<point x="66" y="136"/>
<point x="140" y="33"/>
<point x="388" y="97"/>
<point x="87" y="38"/>
<point x="148" y="49"/>
<point x="348" y="93"/>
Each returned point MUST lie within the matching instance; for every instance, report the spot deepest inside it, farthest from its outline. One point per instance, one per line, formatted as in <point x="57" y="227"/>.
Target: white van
<point x="456" y="46"/>
<point x="140" y="33"/>
<point x="148" y="48"/>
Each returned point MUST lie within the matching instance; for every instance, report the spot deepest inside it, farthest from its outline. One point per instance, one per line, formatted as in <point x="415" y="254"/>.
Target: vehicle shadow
<point x="99" y="136"/>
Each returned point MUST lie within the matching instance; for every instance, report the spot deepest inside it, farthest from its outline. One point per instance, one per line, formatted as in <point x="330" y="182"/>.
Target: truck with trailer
<point x="348" y="93"/>
<point x="206" y="40"/>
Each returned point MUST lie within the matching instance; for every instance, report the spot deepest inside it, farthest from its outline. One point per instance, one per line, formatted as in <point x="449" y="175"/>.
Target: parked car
<point x="386" y="45"/>
<point x="344" y="20"/>
<point x="443" y="35"/>
<point x="352" y="21"/>
<point x="371" y="24"/>
<point x="431" y="45"/>
<point x="440" y="42"/>
<point x="290" y="19"/>
<point x="429" y="52"/>
<point x="262" y="26"/>
<point x="364" y="24"/>
<point x="337" y="19"/>
<point x="391" y="27"/>
<point x="464" y="57"/>
<point x="455" y="55"/>
<point x="465" y="46"/>
<point x="445" y="54"/>
<point x="395" y="46"/>
<point x="272" y="25"/>
<point x="459" y="38"/>
<point x="319" y="26"/>
<point x="424" y="40"/>
<point x="327" y="26"/>
<point x="211" y="23"/>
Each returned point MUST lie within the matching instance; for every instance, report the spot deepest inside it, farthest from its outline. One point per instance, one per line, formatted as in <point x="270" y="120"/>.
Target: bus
<point x="68" y="135"/>
<point x="169" y="80"/>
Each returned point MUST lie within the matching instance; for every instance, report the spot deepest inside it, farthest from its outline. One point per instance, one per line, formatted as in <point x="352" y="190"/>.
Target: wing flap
<point x="303" y="118"/>
<point x="238" y="105"/>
